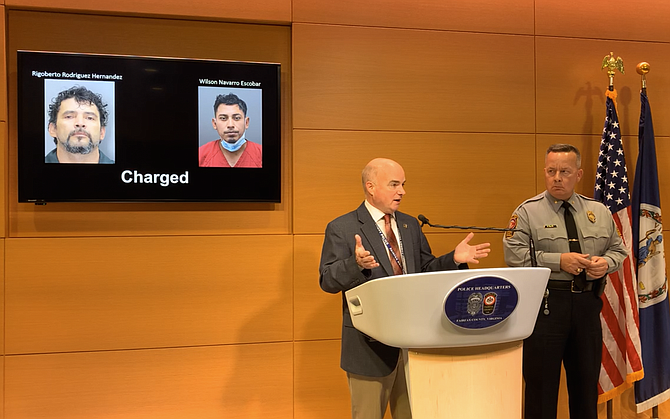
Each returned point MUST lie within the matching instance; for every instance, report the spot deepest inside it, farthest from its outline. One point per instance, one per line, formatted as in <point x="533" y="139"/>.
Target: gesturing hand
<point x="466" y="253"/>
<point x="363" y="258"/>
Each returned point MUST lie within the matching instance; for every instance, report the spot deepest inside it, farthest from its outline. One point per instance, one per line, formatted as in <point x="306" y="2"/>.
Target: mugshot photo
<point x="79" y="121"/>
<point x="230" y="127"/>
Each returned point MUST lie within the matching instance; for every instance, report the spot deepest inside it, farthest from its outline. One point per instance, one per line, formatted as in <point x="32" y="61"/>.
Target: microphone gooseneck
<point x="531" y="243"/>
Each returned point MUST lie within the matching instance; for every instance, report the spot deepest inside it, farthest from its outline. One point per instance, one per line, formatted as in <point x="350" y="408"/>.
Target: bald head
<point x="383" y="181"/>
<point x="371" y="170"/>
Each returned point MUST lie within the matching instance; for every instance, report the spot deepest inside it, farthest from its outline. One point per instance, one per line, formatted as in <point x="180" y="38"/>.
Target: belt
<point x="555" y="284"/>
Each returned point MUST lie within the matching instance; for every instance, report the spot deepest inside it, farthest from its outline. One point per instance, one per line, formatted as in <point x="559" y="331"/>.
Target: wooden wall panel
<point x="316" y="314"/>
<point x="571" y="85"/>
<point x="147" y="36"/>
<point x="467" y="179"/>
<point x="82" y="294"/>
<point x="321" y="389"/>
<point x="2" y="387"/>
<point x="351" y="78"/>
<point x="236" y="382"/>
<point x="2" y="298"/>
<point x="3" y="67"/>
<point x="474" y="16"/>
<point x="154" y="37"/>
<point x="4" y="184"/>
<point x="84" y="219"/>
<point x="604" y="19"/>
<point x="256" y="11"/>
<point x="3" y="125"/>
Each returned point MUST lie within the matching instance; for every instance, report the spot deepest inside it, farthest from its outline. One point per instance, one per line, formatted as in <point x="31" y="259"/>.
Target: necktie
<point x="390" y="237"/>
<point x="573" y="239"/>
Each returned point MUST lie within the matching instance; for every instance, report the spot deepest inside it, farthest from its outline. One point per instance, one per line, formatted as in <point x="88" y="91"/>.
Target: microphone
<point x="531" y="243"/>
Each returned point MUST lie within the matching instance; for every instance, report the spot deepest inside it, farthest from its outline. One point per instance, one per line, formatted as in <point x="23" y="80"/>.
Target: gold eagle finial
<point x="612" y="64"/>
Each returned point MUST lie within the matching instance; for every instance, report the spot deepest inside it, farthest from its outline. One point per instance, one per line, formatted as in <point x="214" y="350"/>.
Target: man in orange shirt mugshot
<point x="232" y="149"/>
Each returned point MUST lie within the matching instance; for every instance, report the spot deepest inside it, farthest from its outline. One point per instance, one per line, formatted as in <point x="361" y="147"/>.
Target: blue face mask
<point x="233" y="147"/>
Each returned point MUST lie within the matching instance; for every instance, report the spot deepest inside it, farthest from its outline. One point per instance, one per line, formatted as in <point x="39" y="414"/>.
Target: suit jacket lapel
<point x="369" y="230"/>
<point x="407" y="243"/>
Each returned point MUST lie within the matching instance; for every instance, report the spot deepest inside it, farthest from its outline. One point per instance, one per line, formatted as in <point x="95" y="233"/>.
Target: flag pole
<point x="612" y="64"/>
<point x="642" y="69"/>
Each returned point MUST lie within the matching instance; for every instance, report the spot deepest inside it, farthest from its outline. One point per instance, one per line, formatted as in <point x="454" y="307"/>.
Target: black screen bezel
<point x="156" y="131"/>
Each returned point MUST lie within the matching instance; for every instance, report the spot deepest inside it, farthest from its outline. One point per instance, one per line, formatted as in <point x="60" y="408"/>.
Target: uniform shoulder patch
<point x="512" y="224"/>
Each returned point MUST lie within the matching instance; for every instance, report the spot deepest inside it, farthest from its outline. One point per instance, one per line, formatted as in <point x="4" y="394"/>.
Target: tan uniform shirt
<point x="542" y="217"/>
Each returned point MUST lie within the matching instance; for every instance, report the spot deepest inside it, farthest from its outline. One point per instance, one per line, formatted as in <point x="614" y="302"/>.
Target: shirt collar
<point x="375" y="212"/>
<point x="557" y="203"/>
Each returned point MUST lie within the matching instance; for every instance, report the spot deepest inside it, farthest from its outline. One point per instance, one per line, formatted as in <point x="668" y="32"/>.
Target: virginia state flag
<point x="652" y="288"/>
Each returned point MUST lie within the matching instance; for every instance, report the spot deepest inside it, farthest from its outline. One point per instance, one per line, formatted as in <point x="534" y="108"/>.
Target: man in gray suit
<point x="361" y="246"/>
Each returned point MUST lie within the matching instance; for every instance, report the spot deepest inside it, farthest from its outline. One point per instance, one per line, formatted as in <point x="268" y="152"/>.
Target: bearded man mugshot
<point x="77" y="124"/>
<point x="231" y="149"/>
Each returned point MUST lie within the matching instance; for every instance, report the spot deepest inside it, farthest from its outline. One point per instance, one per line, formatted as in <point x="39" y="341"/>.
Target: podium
<point x="461" y="332"/>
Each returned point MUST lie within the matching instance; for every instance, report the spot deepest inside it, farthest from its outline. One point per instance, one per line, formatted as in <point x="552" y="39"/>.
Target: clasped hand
<point x="575" y="263"/>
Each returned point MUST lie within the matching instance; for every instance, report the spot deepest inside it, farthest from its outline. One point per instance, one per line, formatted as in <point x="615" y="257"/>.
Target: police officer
<point x="577" y="239"/>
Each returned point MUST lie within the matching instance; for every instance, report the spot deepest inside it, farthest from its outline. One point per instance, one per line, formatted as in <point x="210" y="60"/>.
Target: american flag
<point x="622" y="361"/>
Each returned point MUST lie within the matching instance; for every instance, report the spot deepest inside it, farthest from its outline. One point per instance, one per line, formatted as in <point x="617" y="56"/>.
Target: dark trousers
<point x="571" y="333"/>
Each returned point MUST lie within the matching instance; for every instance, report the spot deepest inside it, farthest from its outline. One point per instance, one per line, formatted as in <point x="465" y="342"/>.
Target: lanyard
<point x="388" y="246"/>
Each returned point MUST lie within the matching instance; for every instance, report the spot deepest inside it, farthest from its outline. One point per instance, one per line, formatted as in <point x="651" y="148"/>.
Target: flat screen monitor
<point x="108" y="128"/>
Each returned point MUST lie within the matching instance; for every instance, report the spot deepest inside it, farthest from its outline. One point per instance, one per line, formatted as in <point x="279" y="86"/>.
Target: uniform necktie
<point x="390" y="237"/>
<point x="573" y="239"/>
